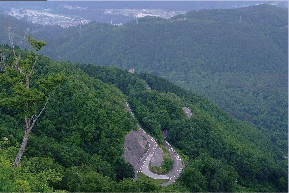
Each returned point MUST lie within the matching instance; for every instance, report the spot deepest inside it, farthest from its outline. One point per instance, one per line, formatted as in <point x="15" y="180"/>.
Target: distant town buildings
<point x="143" y="12"/>
<point x="47" y="17"/>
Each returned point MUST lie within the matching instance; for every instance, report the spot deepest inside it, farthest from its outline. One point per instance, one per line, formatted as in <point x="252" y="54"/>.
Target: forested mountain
<point x="22" y="28"/>
<point x="237" y="57"/>
<point x="77" y="144"/>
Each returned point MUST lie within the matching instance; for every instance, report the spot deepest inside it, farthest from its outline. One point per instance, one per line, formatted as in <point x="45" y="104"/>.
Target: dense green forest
<point x="77" y="144"/>
<point x="210" y="133"/>
<point x="237" y="58"/>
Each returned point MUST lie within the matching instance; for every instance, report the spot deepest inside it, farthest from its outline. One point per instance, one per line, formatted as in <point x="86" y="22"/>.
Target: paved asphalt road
<point x="143" y="165"/>
<point x="177" y="167"/>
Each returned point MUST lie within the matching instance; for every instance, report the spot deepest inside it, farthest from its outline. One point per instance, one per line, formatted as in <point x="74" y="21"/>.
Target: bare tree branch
<point x="35" y="117"/>
<point x="17" y="66"/>
<point x="2" y="62"/>
<point x="36" y="58"/>
<point x="9" y="29"/>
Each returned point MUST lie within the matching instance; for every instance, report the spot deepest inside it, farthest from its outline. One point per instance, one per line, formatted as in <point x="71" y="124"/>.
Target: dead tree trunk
<point x="24" y="143"/>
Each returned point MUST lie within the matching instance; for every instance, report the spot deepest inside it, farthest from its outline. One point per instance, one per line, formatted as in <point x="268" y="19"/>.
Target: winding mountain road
<point x="143" y="164"/>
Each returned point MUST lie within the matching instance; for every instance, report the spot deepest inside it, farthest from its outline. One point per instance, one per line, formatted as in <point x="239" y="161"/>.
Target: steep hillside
<point x="80" y="134"/>
<point x="78" y="142"/>
<point x="237" y="58"/>
<point x="212" y="141"/>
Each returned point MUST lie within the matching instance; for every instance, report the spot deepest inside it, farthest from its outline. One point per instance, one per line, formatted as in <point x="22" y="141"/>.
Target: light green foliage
<point x="36" y="45"/>
<point x="84" y="124"/>
<point x="21" y="90"/>
<point x="20" y="179"/>
<point x="83" y="179"/>
<point x="45" y="167"/>
<point x="168" y="164"/>
<point x="142" y="184"/>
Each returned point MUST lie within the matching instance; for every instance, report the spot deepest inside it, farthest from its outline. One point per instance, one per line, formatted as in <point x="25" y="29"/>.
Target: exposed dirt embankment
<point x="157" y="158"/>
<point x="141" y="149"/>
<point x="135" y="147"/>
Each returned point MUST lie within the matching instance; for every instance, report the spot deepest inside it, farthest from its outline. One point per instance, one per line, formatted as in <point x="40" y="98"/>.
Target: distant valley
<point x="196" y="102"/>
<point x="238" y="54"/>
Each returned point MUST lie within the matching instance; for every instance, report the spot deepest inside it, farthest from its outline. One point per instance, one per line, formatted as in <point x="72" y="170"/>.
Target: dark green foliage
<point x="156" y="110"/>
<point x="167" y="165"/>
<point x="77" y="145"/>
<point x="208" y="174"/>
<point x="86" y="117"/>
<point x="123" y="170"/>
<point x="126" y="82"/>
<point x="78" y="142"/>
<point x="84" y="123"/>
<point x="233" y="149"/>
<point x="240" y="55"/>
<point x="213" y="53"/>
<point x="150" y="19"/>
